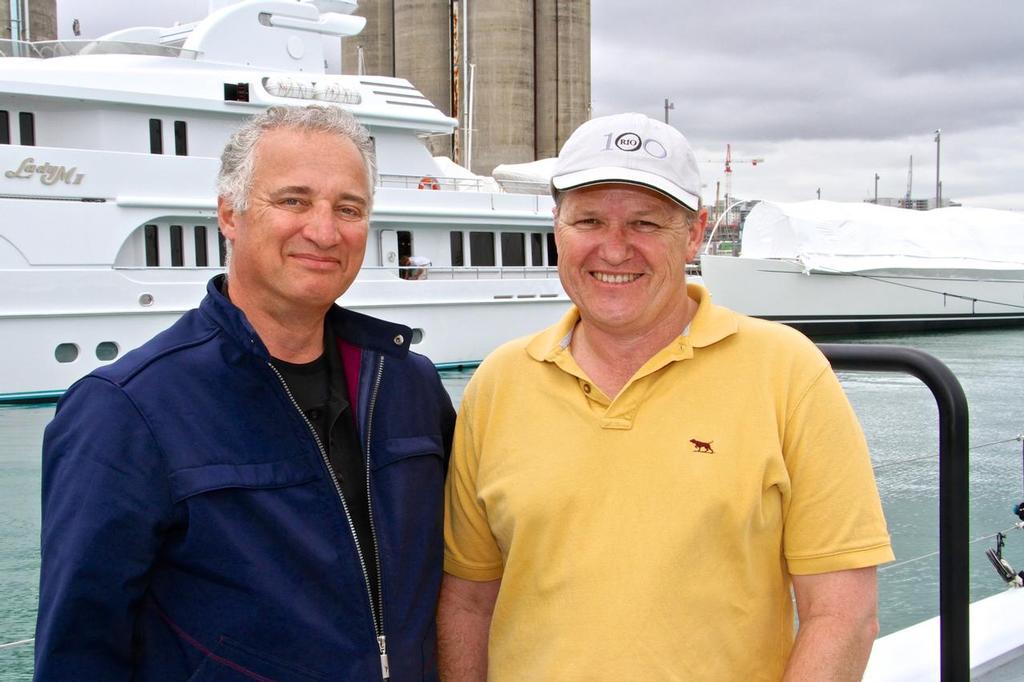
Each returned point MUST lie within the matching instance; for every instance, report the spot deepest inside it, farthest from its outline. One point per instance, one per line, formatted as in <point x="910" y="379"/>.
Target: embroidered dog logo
<point x="701" y="446"/>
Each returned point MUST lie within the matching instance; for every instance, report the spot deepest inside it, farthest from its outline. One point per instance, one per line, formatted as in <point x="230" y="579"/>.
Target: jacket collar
<point x="349" y="326"/>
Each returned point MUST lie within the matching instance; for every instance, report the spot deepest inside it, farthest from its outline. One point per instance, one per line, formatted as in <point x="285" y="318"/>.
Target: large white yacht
<point x="108" y="156"/>
<point x="848" y="268"/>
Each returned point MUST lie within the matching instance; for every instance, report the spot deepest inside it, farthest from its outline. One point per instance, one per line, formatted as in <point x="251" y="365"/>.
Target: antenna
<point x="910" y="182"/>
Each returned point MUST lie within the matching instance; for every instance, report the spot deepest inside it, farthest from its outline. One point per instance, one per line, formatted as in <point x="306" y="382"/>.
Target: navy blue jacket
<point x="191" y="530"/>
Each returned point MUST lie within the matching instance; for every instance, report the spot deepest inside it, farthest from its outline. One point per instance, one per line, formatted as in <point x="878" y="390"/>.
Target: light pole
<point x="938" y="183"/>
<point x="876" y="188"/>
<point x="668" y="105"/>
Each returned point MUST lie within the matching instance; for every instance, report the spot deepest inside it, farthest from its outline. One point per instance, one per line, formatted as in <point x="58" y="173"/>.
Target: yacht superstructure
<point x="108" y="157"/>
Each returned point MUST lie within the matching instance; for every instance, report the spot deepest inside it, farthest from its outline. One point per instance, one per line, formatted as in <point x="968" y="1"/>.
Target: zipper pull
<point x="385" y="669"/>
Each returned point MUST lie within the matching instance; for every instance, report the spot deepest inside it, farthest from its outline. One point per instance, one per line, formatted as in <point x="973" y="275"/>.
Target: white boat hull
<point x="455" y="322"/>
<point x="820" y="303"/>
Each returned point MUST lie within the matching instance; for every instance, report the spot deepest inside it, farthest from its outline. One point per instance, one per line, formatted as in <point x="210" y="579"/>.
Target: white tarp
<point x="827" y="235"/>
<point x="462" y="179"/>
<point x="527" y="178"/>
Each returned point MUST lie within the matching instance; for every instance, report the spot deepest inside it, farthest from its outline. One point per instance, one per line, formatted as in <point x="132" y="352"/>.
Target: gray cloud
<point x="864" y="83"/>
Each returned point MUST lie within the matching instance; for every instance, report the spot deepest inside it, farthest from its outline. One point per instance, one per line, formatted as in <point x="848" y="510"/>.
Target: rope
<point x="889" y="567"/>
<point x="883" y="280"/>
<point x="1018" y="438"/>
<point x="10" y="645"/>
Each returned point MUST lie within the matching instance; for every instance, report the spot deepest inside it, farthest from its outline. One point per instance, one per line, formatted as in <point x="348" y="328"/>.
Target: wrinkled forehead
<point x="619" y="196"/>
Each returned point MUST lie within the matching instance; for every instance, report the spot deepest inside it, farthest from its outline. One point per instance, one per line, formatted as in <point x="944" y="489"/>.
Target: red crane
<point x="729" y="161"/>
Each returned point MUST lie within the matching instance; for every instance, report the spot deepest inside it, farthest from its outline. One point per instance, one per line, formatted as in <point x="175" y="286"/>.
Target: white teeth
<point x="610" y="278"/>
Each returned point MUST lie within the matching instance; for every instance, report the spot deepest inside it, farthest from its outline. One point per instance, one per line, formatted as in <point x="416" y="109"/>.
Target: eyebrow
<point x="306" y="191"/>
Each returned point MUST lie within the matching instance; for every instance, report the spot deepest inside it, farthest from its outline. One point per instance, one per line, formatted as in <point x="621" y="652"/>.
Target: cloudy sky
<point x="828" y="92"/>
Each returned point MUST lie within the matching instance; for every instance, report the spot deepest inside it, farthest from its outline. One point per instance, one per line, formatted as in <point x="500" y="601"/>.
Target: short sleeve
<point x="470" y="551"/>
<point x="834" y="520"/>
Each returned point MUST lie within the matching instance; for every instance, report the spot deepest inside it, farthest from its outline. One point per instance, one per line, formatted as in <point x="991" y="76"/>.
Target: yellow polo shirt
<point x="652" y="536"/>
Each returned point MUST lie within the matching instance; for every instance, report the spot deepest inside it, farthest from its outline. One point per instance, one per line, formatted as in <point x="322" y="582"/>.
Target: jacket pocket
<point x="397" y="449"/>
<point x="283" y="473"/>
<point x="235" y="662"/>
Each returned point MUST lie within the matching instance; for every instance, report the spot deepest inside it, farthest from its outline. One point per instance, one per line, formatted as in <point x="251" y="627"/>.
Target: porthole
<point x="66" y="352"/>
<point x="107" y="351"/>
<point x="417" y="335"/>
<point x="146" y="299"/>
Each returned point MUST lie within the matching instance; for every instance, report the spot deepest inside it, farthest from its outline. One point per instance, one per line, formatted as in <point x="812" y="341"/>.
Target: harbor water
<point x="897" y="412"/>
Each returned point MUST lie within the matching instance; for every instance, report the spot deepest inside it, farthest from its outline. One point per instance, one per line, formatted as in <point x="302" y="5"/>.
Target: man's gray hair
<point x="238" y="160"/>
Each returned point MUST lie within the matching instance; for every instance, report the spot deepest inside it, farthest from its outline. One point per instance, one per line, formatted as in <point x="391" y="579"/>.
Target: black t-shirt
<point x="320" y="389"/>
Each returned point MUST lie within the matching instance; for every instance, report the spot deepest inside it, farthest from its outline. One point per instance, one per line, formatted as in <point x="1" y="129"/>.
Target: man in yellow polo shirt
<point x="637" y="492"/>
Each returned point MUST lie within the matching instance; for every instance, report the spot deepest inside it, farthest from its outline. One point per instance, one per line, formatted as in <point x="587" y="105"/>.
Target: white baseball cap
<point x="632" y="149"/>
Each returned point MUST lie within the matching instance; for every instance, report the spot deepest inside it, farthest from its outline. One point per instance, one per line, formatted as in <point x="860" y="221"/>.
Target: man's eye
<point x="350" y="212"/>
<point x="644" y="226"/>
<point x="291" y="201"/>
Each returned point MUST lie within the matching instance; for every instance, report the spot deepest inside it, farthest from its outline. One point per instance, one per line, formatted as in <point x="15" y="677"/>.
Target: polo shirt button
<point x="399" y="339"/>
<point x="586" y="388"/>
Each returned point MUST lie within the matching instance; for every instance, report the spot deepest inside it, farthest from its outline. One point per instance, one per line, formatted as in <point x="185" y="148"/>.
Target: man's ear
<point x="227" y="217"/>
<point x="697" y="227"/>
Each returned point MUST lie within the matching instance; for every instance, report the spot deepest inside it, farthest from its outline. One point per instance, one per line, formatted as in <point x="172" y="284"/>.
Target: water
<point x="899" y="418"/>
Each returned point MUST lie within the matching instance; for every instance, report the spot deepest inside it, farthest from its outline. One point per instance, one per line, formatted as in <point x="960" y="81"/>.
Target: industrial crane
<point x="728" y="174"/>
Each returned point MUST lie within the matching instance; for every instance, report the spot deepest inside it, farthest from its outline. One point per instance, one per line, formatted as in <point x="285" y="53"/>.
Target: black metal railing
<point x="954" y="586"/>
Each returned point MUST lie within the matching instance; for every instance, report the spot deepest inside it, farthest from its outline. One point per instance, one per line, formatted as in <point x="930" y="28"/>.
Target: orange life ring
<point x="428" y="182"/>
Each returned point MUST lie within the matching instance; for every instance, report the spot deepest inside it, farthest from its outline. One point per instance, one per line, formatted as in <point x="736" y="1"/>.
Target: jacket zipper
<point x="378" y="625"/>
<point x="382" y="643"/>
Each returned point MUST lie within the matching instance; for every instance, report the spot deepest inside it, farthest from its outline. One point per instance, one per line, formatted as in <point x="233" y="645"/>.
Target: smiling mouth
<point x="318" y="260"/>
<point x="615" y="278"/>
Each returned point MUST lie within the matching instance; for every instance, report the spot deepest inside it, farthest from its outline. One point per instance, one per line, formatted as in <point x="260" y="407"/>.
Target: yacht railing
<point x="433" y="272"/>
<point x="954" y="585"/>
<point x="48" y="49"/>
<point x="453" y="184"/>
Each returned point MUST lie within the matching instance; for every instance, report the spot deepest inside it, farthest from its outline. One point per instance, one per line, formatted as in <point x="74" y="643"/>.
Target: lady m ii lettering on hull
<point x="47" y="172"/>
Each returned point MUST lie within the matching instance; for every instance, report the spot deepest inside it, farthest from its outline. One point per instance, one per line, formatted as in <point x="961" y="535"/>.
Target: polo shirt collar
<point x="709" y="325"/>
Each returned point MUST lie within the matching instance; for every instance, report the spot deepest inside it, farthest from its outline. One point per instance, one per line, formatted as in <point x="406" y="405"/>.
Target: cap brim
<point x="613" y="175"/>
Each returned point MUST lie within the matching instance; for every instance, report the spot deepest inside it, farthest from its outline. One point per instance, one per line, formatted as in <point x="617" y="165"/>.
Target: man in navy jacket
<point x="255" y="494"/>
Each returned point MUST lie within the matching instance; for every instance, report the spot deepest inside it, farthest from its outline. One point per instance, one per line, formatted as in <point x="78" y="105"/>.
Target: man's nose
<point x="616" y="247"/>
<point x="322" y="225"/>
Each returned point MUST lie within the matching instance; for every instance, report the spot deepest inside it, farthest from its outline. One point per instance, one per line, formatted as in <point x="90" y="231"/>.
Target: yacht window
<point x="27" y="123"/>
<point x="106" y="351"/>
<point x="552" y="250"/>
<point x="404" y="244"/>
<point x="513" y="252"/>
<point x="236" y="92"/>
<point x="177" y="247"/>
<point x="152" y="247"/>
<point x="5" y="127"/>
<point x="180" y="138"/>
<point x="222" y="243"/>
<point x="456" y="247"/>
<point x="536" y="248"/>
<point x="200" y="238"/>
<point x="156" y="136"/>
<point x="481" y="248"/>
<point x="66" y="352"/>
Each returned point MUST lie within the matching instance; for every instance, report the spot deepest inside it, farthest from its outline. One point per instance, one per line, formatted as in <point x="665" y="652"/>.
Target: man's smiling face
<point x="622" y="254"/>
<point x="299" y="244"/>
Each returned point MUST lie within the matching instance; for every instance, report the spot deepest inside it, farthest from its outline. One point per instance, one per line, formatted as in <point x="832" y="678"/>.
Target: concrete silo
<point x="423" y="55"/>
<point x="501" y="49"/>
<point x="28" y="20"/>
<point x="376" y="41"/>
<point x="530" y="78"/>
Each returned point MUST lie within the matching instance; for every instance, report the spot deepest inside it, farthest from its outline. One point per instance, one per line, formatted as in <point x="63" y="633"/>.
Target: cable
<point x="935" y="553"/>
<point x="883" y="280"/>
<point x="10" y="645"/>
<point x="884" y="465"/>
